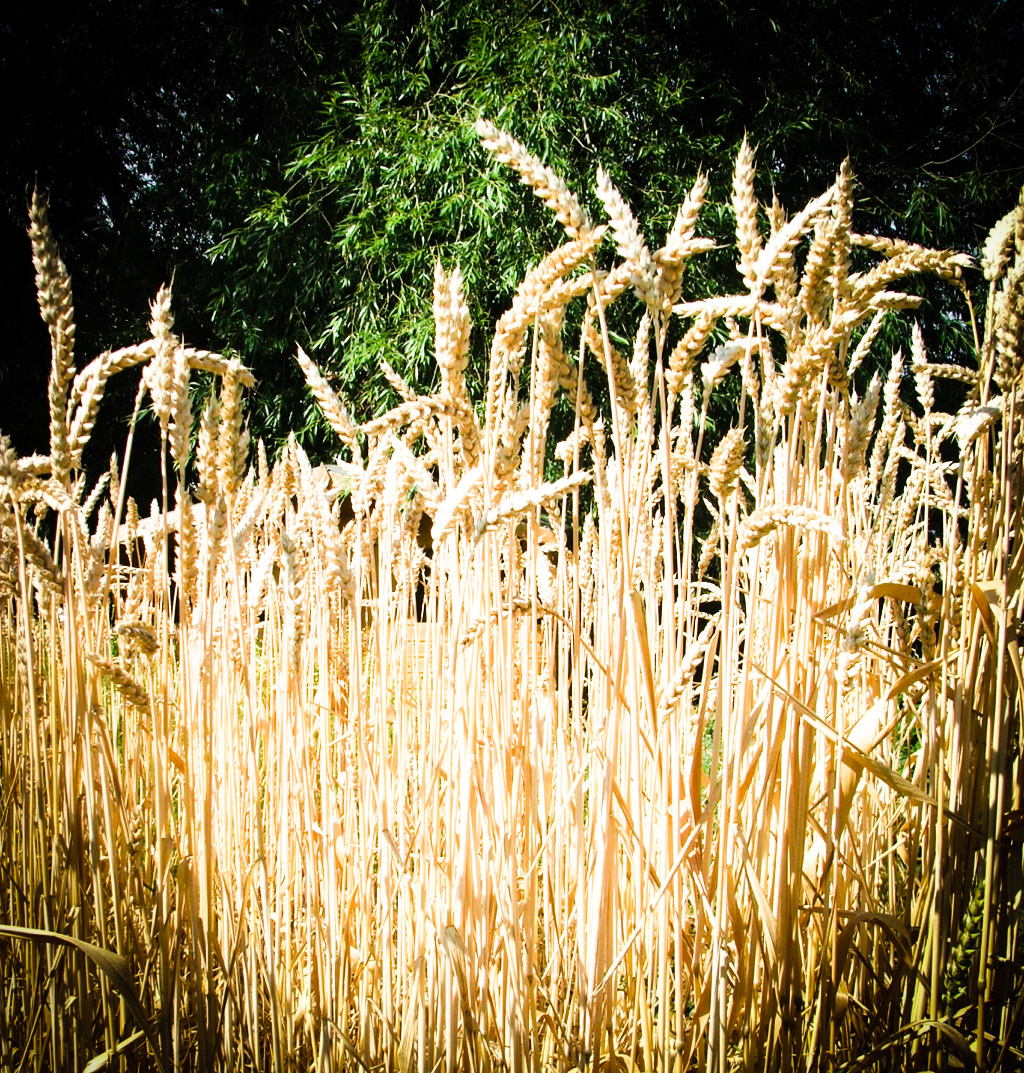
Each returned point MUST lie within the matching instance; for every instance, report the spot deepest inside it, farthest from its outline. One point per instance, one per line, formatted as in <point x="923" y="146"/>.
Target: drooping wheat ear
<point x="88" y="387"/>
<point x="1005" y="320"/>
<point x="800" y="380"/>
<point x="601" y="467"/>
<point x="947" y="265"/>
<point x="40" y="496"/>
<point x="508" y="346"/>
<point x="96" y="494"/>
<point x="973" y="419"/>
<point x="1008" y="330"/>
<point x="335" y="560"/>
<point x="959" y="964"/>
<point x="744" y="205"/>
<point x="683" y="447"/>
<point x="684" y="353"/>
<point x="999" y="245"/>
<point x="129" y="530"/>
<point x="30" y="466"/>
<point x="84" y="419"/>
<point x="547" y="581"/>
<point x="138" y="637"/>
<point x="397" y="483"/>
<point x="890" y="417"/>
<point x="419" y="475"/>
<point x="291" y="598"/>
<point x="123" y="682"/>
<point x="508" y="440"/>
<point x="9" y="579"/>
<point x="764" y="520"/>
<point x="858" y="428"/>
<point x="233" y="440"/>
<point x="866" y="341"/>
<point x="776" y="263"/>
<point x="917" y="428"/>
<point x="722" y="359"/>
<point x="568" y="448"/>
<point x="696" y="654"/>
<point x="451" y="329"/>
<point x="681" y="244"/>
<point x="398" y="383"/>
<point x="926" y="579"/>
<point x="519" y="503"/>
<point x="159" y="374"/>
<point x="814" y="290"/>
<point x="213" y="540"/>
<point x="370" y="481"/>
<point x="206" y="361"/>
<point x="630" y="243"/>
<point x="639" y="371"/>
<point x="337" y="416"/>
<point x="283" y="480"/>
<point x="37" y="556"/>
<point x="99" y="542"/>
<point x="259" y="577"/>
<point x="724" y="468"/>
<point x="262" y="466"/>
<point x="251" y="508"/>
<point x="777" y="217"/>
<point x="640" y="362"/>
<point x="53" y="291"/>
<point x="709" y="548"/>
<point x="566" y="376"/>
<point x="454" y="505"/>
<point x="587" y="570"/>
<point x="545" y="183"/>
<point x="114" y="475"/>
<point x="408" y="413"/>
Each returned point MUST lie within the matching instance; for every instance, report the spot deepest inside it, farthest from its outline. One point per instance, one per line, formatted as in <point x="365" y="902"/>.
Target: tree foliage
<point x="299" y="167"/>
<point x="387" y="177"/>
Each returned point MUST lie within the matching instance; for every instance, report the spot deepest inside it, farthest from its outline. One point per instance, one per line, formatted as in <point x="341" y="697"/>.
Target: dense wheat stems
<point x="662" y="746"/>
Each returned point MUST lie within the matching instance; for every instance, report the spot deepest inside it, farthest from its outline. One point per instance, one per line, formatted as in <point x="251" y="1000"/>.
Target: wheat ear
<point x="628" y="240"/>
<point x="744" y="204"/>
<point x="545" y="183"/>
<point x="53" y="291"/>
<point x="520" y="502"/>
<point x="680" y="244"/>
<point x="159" y="374"/>
<point x="337" y="416"/>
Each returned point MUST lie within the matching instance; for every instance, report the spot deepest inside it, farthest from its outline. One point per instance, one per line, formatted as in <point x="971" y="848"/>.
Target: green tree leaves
<point x="300" y="168"/>
<point x="387" y="177"/>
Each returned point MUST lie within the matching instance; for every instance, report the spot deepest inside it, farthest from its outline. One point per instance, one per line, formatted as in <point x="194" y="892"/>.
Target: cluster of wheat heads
<point x="575" y="782"/>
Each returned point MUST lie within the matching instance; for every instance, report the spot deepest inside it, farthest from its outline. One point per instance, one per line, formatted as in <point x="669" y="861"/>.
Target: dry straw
<point x="703" y="755"/>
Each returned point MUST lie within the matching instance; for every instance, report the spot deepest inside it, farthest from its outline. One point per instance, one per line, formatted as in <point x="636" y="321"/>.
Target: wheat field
<point x="673" y="747"/>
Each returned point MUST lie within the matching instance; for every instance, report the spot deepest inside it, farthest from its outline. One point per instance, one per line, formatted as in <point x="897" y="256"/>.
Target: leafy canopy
<point x="387" y="177"/>
<point x="298" y="167"/>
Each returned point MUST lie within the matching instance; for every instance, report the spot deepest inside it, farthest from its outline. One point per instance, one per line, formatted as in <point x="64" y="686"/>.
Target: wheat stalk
<point x="702" y="755"/>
